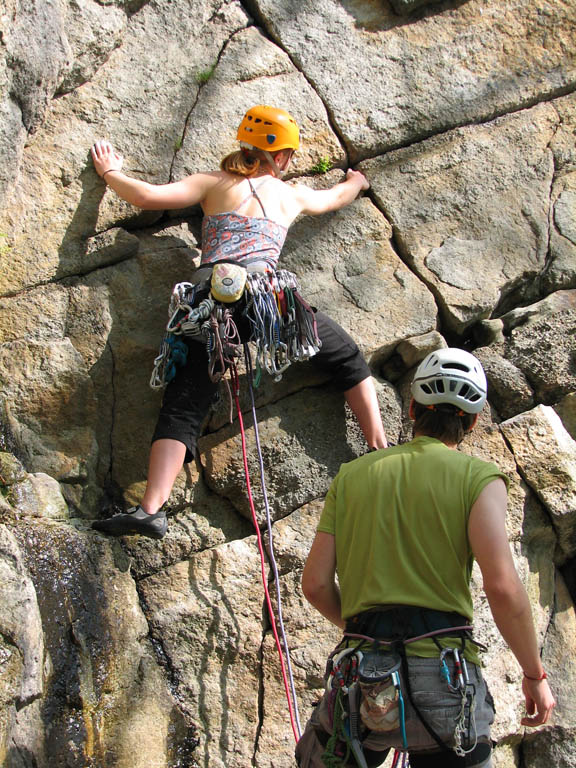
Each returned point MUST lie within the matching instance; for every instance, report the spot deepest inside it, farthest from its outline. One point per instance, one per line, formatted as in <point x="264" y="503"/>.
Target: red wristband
<point x="537" y="679"/>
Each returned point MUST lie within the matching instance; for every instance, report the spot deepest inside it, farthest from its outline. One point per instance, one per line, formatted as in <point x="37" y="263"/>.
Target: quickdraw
<point x="185" y="319"/>
<point x="282" y="326"/>
<point x="465" y="723"/>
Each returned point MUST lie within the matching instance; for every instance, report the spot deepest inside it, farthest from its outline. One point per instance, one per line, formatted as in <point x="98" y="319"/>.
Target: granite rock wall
<point x="462" y="114"/>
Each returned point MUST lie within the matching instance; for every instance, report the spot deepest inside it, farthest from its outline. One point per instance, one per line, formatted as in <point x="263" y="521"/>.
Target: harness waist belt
<point x="402" y="621"/>
<point x="252" y="264"/>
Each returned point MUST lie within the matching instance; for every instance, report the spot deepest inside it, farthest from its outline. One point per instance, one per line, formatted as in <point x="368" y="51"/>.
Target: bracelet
<point x="110" y="170"/>
<point x="537" y="679"/>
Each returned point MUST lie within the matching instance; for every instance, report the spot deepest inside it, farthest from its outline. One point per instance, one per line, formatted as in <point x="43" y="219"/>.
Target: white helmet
<point x="450" y="376"/>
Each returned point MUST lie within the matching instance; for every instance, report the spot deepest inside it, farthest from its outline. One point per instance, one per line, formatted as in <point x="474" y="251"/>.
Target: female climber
<point x="247" y="211"/>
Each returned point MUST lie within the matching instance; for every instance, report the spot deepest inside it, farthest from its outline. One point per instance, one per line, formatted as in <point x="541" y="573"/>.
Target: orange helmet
<point x="269" y="128"/>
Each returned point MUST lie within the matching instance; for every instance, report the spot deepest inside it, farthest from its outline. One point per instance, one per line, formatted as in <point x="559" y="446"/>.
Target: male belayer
<point x="401" y="528"/>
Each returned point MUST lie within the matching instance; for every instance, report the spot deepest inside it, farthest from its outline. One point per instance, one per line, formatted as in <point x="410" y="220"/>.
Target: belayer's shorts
<point x="188" y="396"/>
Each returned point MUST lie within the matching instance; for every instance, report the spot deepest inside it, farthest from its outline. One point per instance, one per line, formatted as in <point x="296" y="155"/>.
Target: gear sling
<point x="368" y="683"/>
<point x="279" y="320"/>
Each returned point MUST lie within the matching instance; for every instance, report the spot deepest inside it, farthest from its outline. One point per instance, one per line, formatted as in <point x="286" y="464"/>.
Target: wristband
<point x="544" y="676"/>
<point x="111" y="170"/>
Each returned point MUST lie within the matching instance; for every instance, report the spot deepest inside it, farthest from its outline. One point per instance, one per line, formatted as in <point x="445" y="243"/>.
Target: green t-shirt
<point x="400" y="518"/>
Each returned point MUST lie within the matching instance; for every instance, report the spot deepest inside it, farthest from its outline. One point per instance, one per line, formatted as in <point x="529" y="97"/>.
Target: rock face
<point x="531" y="436"/>
<point x="463" y="116"/>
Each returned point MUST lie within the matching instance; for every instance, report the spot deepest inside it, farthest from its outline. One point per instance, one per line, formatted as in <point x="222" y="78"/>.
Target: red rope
<point x="236" y="386"/>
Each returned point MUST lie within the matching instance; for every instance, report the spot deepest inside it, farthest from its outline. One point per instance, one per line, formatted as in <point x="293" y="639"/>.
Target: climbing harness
<point x="281" y="323"/>
<point x="368" y="683"/>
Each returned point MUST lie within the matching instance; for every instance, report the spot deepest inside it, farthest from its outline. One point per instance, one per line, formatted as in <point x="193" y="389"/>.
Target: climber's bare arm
<point x="317" y="201"/>
<point x="180" y="194"/>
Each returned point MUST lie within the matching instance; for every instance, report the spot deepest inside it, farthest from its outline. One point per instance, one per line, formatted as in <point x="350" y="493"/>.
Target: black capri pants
<point x="188" y="396"/>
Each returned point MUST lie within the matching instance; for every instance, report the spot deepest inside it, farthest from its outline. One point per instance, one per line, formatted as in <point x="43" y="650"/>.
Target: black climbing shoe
<point x="134" y="521"/>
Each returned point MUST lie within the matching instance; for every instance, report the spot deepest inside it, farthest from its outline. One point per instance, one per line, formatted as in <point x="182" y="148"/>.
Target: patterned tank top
<point x="245" y="239"/>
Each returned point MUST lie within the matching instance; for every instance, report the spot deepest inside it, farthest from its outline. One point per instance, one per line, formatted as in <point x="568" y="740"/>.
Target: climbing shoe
<point x="135" y="520"/>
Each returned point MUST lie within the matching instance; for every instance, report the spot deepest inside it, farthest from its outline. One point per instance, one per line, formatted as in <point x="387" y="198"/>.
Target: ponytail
<point x="243" y="162"/>
<point x="445" y="422"/>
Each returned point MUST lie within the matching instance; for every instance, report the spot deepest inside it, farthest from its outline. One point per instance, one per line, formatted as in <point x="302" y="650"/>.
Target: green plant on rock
<point x="322" y="166"/>
<point x="4" y="245"/>
<point x="205" y="74"/>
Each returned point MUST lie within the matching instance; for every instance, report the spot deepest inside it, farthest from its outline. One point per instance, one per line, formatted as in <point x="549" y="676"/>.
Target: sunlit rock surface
<point x="145" y="654"/>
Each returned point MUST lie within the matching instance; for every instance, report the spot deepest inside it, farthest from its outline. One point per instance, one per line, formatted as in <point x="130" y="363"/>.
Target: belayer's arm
<point x="507" y="597"/>
<point x="152" y="197"/>
<point x="317" y="201"/>
<point x="319" y="579"/>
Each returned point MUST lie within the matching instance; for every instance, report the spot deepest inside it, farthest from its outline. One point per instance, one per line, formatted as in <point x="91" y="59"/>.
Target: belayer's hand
<point x="105" y="157"/>
<point x="539" y="702"/>
<point x="358" y="177"/>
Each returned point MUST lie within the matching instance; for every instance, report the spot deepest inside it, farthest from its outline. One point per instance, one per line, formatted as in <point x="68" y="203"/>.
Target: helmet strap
<point x="245" y="147"/>
<point x="272" y="163"/>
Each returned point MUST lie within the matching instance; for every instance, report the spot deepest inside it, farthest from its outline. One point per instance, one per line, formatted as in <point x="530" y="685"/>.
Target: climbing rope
<point x="283" y="330"/>
<point x="236" y="390"/>
<point x="273" y="564"/>
<point x="396" y="760"/>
